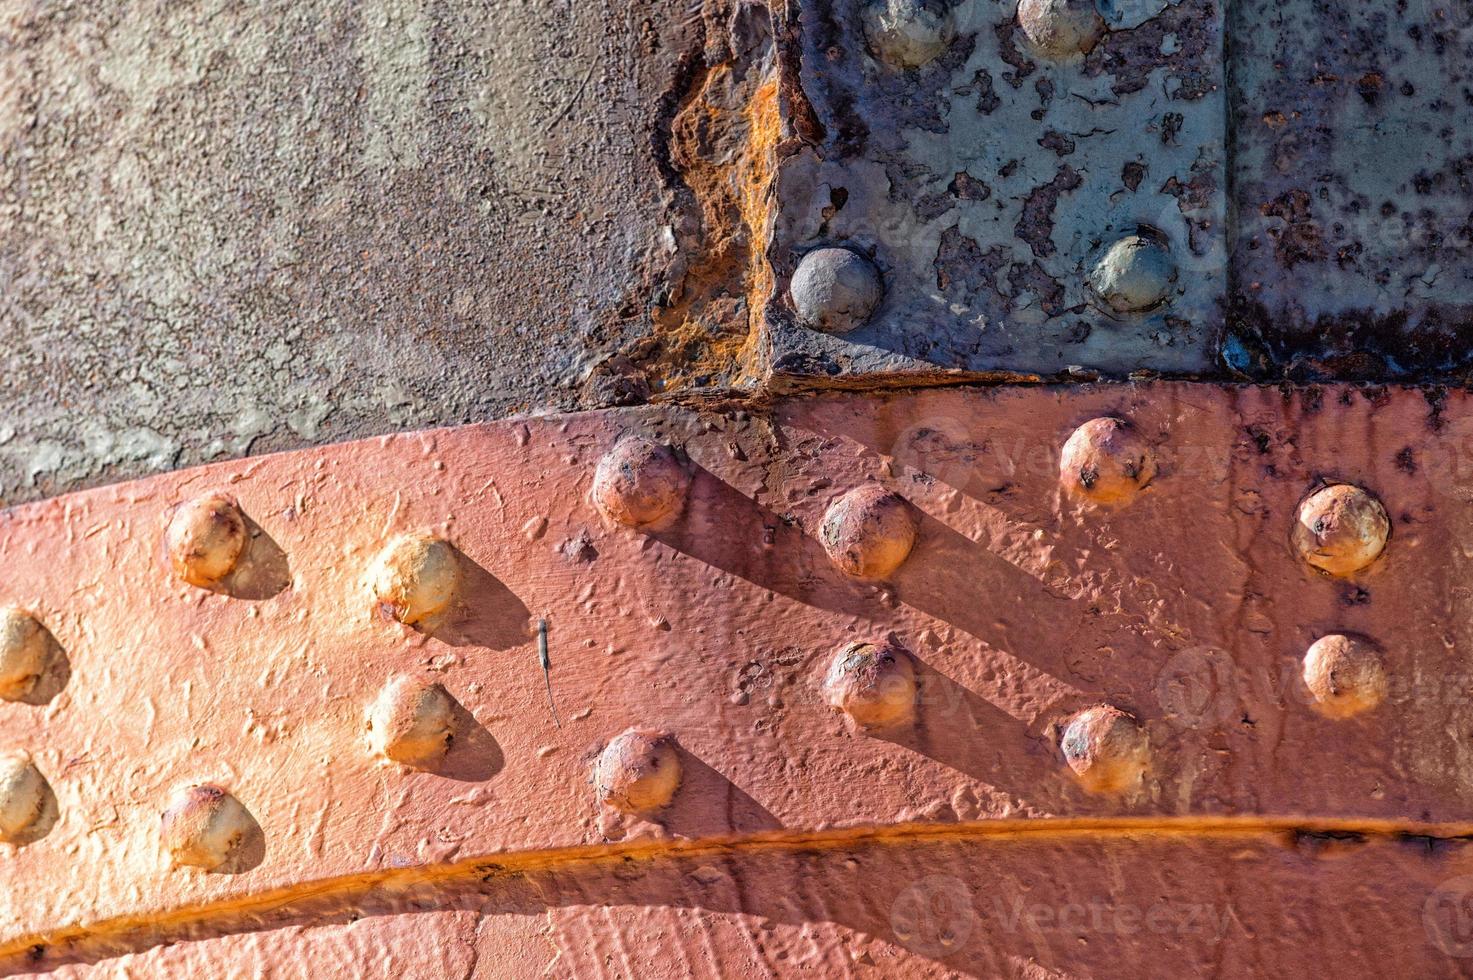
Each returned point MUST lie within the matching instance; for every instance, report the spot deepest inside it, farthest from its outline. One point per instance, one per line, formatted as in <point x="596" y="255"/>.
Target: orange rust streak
<point x="764" y="128"/>
<point x="726" y="157"/>
<point x="348" y="888"/>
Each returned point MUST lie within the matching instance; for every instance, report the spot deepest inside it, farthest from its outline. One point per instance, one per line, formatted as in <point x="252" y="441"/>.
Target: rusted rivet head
<point x="411" y="721"/>
<point x="27" y="651"/>
<point x="1135" y="275"/>
<point x="835" y="289"/>
<point x="908" y="33"/>
<point x="1340" y="529"/>
<point x="205" y="539"/>
<point x="1061" y="28"/>
<point x="22" y="796"/>
<point x="416" y="578"/>
<point x="1106" y="461"/>
<point x="638" y="772"/>
<point x="640" y="483"/>
<point x="1345" y="675"/>
<point x="868" y="532"/>
<point x="1106" y="748"/>
<point x="873" y="684"/>
<point x="203" y="827"/>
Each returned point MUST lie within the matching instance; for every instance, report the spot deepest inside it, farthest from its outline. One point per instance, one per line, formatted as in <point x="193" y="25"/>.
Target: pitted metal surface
<point x="989" y="184"/>
<point x="1352" y="189"/>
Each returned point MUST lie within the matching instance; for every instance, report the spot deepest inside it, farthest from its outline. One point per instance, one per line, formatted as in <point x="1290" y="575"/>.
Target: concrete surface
<point x="227" y="228"/>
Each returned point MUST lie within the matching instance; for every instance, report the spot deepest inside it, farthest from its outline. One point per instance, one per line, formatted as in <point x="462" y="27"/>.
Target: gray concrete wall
<point x="232" y="227"/>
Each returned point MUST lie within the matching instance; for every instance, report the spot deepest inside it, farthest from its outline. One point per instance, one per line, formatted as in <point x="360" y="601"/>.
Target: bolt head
<point x="1345" y="675"/>
<point x="1061" y="28"/>
<point x="641" y="484"/>
<point x="874" y="684"/>
<point x="416" y="578"/>
<point x="908" y="33"/>
<point x="638" y="772"/>
<point x="868" y="532"/>
<point x="205" y="539"/>
<point x="1106" y="461"/>
<point x="203" y="827"/>
<point x="1340" y="529"/>
<point x="411" y="722"/>
<point x="27" y="650"/>
<point x="1135" y="275"/>
<point x="22" y="795"/>
<point x="1106" y="749"/>
<point x="835" y="289"/>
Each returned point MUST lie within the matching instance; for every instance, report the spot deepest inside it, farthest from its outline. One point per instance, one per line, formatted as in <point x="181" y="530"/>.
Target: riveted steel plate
<point x="1353" y="176"/>
<point x="989" y="182"/>
<point x="1188" y="609"/>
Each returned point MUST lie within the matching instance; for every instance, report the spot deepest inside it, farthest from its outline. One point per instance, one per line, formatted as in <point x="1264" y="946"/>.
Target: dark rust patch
<point x="1131" y="57"/>
<point x="1299" y="238"/>
<point x="1033" y="278"/>
<point x="1036" y="226"/>
<point x="964" y="269"/>
<point x="1358" y="346"/>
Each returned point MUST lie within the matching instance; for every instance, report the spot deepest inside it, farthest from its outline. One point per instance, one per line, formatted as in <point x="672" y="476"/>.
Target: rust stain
<point x="723" y="143"/>
<point x="764" y="129"/>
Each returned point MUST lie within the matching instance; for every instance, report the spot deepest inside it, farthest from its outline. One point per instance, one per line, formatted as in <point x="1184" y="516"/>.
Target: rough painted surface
<point x="1188" y="608"/>
<point x="1239" y="906"/>
<point x="1353" y="189"/>
<point x="988" y="183"/>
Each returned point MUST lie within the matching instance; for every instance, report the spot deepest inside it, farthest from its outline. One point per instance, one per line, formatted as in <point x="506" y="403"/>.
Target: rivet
<point x="411" y="721"/>
<point x="641" y="484"/>
<point x="868" y="532"/>
<point x="1061" y="28"/>
<point x="1106" y="461"/>
<point x="23" y="794"/>
<point x="908" y="33"/>
<point x="205" y="539"/>
<point x="835" y="289"/>
<point x="1135" y="275"/>
<point x="1340" y="529"/>
<point x="204" y="826"/>
<point x="875" y="685"/>
<point x="1106" y="748"/>
<point x="1345" y="675"/>
<point x="638" y="772"/>
<point x="416" y="578"/>
<point x="27" y="652"/>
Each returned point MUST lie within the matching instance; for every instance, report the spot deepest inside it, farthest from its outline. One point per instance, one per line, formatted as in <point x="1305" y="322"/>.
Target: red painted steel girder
<point x="1186" y="607"/>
